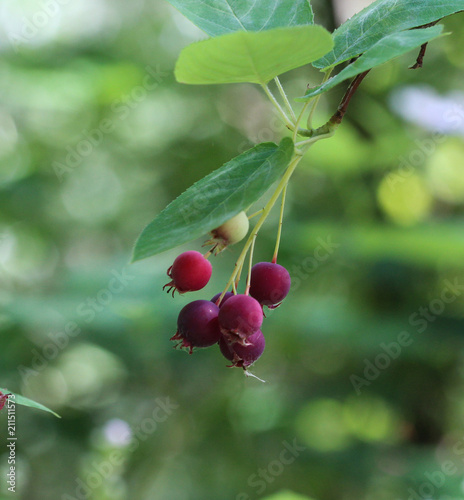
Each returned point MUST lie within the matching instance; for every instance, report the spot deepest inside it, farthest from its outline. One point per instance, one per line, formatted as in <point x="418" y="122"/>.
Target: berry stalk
<point x="315" y="102"/>
<point x="279" y="229"/>
<point x="252" y="216"/>
<point x="267" y="209"/>
<point x="250" y="265"/>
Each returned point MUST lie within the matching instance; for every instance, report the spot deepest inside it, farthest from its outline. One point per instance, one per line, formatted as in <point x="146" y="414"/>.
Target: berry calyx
<point x="240" y="317"/>
<point x="243" y="355"/>
<point x="231" y="232"/>
<point x="190" y="271"/>
<point x="270" y="283"/>
<point x="227" y="296"/>
<point x="197" y="325"/>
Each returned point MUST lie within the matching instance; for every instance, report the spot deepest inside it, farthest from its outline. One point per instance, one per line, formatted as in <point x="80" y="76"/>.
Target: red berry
<point x="227" y="296"/>
<point x="240" y="317"/>
<point x="197" y="325"/>
<point x="3" y="398"/>
<point x="243" y="355"/>
<point x="270" y="283"/>
<point x="189" y="272"/>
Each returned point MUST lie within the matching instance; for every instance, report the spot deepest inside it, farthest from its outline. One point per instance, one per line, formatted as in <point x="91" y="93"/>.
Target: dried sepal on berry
<point x="240" y="317"/>
<point x="243" y="356"/>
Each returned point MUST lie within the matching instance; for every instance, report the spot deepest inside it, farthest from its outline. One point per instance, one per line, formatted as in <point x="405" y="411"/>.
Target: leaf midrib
<point x="221" y="205"/>
<point x="235" y="15"/>
<point x="263" y="27"/>
<point x="251" y="177"/>
<point x="251" y="57"/>
<point x="341" y="57"/>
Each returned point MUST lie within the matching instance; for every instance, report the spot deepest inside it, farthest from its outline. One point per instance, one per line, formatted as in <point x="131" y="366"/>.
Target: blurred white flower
<point x="117" y="432"/>
<point x="423" y="106"/>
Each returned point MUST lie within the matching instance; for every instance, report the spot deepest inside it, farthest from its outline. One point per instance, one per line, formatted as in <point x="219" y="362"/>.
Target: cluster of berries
<point x="231" y="320"/>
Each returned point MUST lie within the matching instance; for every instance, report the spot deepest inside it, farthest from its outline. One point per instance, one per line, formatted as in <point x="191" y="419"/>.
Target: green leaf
<point x="387" y="48"/>
<point x="215" y="199"/>
<point x="254" y="57"/>
<point x="381" y="18"/>
<point x="21" y="400"/>
<point x="218" y="17"/>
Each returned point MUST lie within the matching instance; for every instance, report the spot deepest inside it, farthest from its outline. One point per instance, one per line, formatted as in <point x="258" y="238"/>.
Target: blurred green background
<point x="96" y="137"/>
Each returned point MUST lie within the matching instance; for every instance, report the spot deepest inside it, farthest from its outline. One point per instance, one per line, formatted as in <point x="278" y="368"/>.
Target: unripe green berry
<point x="231" y="232"/>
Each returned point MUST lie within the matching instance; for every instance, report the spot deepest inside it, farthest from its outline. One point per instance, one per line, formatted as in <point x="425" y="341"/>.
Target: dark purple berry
<point x="189" y="272"/>
<point x="243" y="355"/>
<point x="197" y="325"/>
<point x="227" y="296"/>
<point x="270" y="283"/>
<point x="240" y="317"/>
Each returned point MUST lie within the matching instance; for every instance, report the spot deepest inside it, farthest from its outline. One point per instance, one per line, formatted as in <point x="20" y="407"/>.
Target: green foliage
<point x="381" y="18"/>
<point x="218" y="17"/>
<point x="368" y="258"/>
<point x="21" y="400"/>
<point x="215" y="199"/>
<point x="251" y="57"/>
<point x="287" y="495"/>
<point x="384" y="50"/>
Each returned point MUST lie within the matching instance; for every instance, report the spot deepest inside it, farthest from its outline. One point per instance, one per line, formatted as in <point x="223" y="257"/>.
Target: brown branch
<point x="343" y="106"/>
<point x="420" y="58"/>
